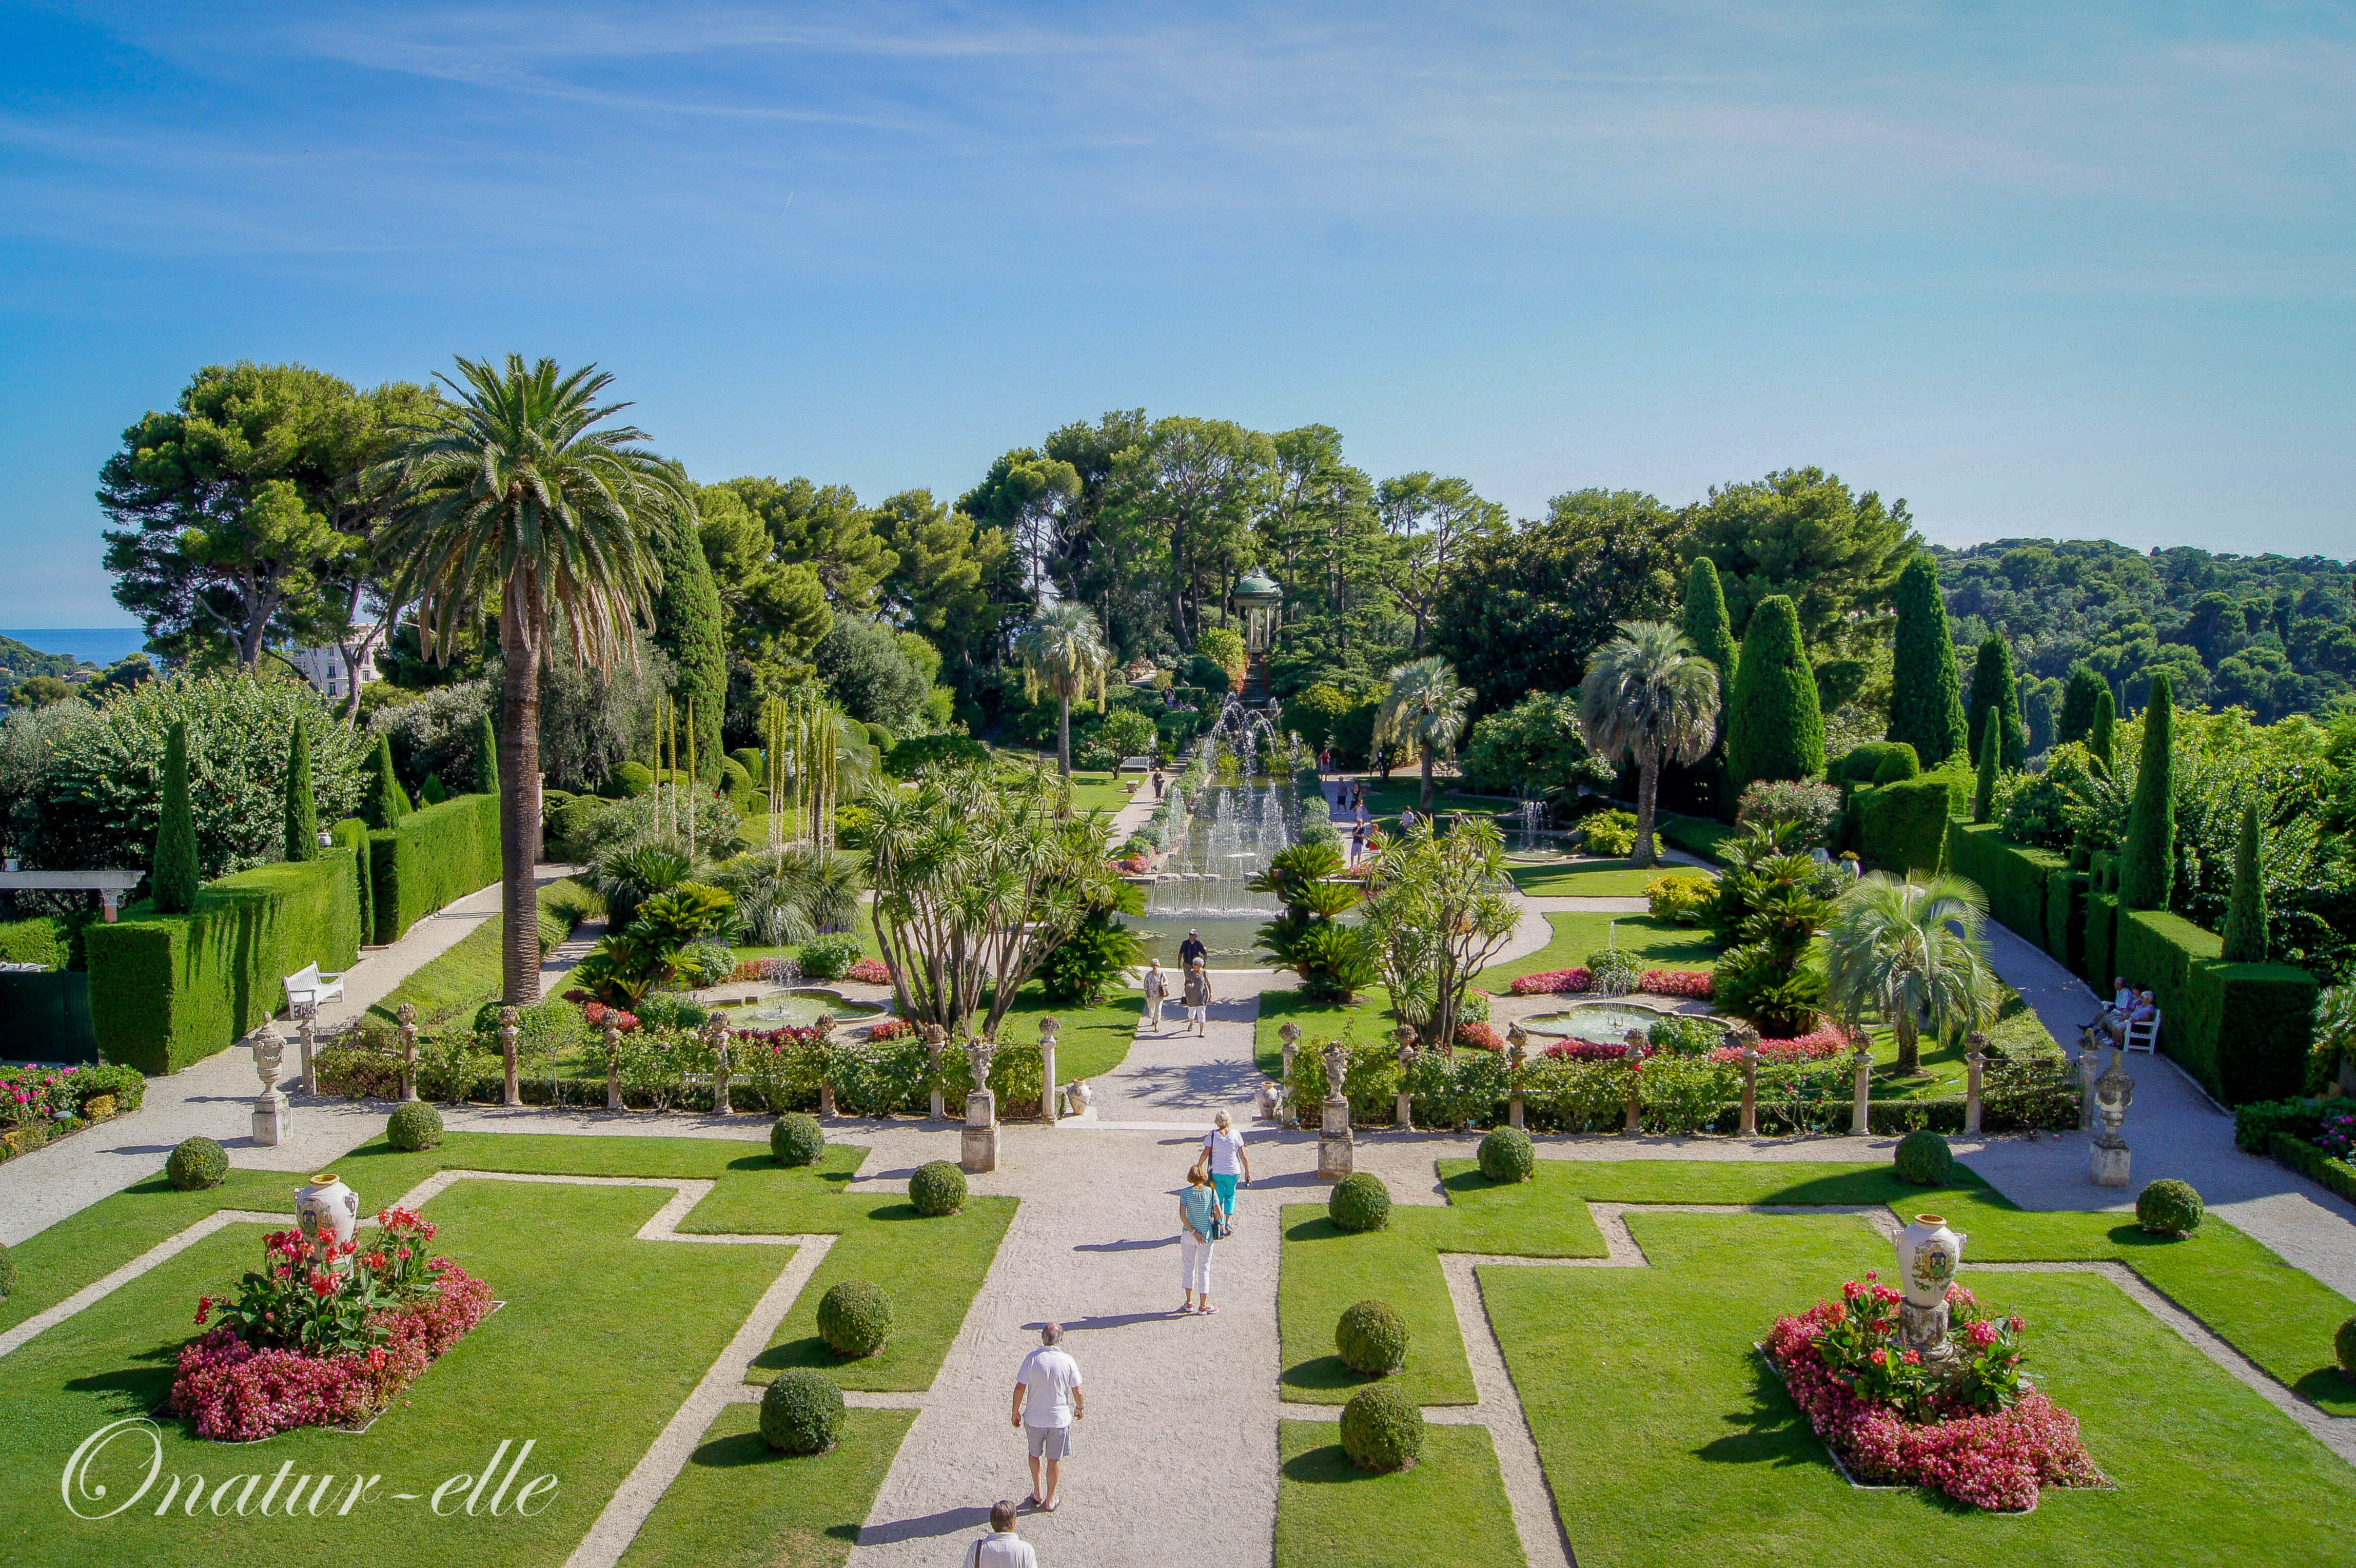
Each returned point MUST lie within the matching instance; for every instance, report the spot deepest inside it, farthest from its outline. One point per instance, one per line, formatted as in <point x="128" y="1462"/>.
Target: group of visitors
<point x="1195" y="993"/>
<point x="2127" y="1005"/>
<point x="1050" y="1397"/>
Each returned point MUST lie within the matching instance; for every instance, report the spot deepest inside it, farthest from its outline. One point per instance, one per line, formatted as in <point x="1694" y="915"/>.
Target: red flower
<point x="1913" y="1357"/>
<point x="204" y="1309"/>
<point x="323" y="1286"/>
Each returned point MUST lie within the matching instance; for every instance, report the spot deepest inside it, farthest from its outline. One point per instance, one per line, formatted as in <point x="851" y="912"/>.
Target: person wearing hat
<point x="1191" y="949"/>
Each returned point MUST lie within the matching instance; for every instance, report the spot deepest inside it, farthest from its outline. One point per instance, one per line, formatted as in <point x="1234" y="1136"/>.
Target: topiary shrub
<point x="1382" y="1428"/>
<point x="854" y="1318"/>
<point x="1360" y="1202"/>
<point x="413" y="1126"/>
<point x="2344" y="1344"/>
<point x="1924" y="1159"/>
<point x="196" y="1164"/>
<point x="827" y="958"/>
<point x="801" y="1412"/>
<point x="2168" y="1208"/>
<point x="1371" y="1338"/>
<point x="937" y="1188"/>
<point x="1507" y="1154"/>
<point x="797" y="1138"/>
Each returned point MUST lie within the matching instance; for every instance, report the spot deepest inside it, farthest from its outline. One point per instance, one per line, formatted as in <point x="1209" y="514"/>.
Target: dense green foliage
<point x="688" y="628"/>
<point x="1382" y="1428"/>
<point x="414" y="1126"/>
<point x="1774" y="729"/>
<point x="801" y="1412"/>
<point x="430" y="858"/>
<point x="1995" y="691"/>
<point x="937" y="1187"/>
<point x="1371" y="1338"/>
<point x="173" y="872"/>
<point x="2245" y="909"/>
<point x="797" y="1138"/>
<point x="854" y="1318"/>
<point x="1507" y="1154"/>
<point x="2168" y="1208"/>
<point x="302" y="817"/>
<point x="196" y="1164"/>
<point x="1359" y="1202"/>
<point x="2149" y="866"/>
<point x="383" y="801"/>
<point x="1926" y="708"/>
<point x="1924" y="1159"/>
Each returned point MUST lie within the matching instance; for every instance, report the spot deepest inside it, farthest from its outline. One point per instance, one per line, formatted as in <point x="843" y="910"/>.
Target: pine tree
<point x="1994" y="689"/>
<point x="2150" y="869"/>
<point x="1776" y="730"/>
<point x="302" y="805"/>
<point x="691" y="628"/>
<point x="1984" y="791"/>
<point x="2246" y="911"/>
<point x="383" y="801"/>
<point x="2106" y="719"/>
<point x="1926" y="705"/>
<point x="173" y="873"/>
<point x="2076" y="721"/>
<point x="486" y="757"/>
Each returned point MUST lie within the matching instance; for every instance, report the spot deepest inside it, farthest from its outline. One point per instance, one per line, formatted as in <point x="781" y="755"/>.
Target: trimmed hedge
<point x="1899" y="827"/>
<point x="2309" y="1160"/>
<point x="169" y="990"/>
<point x="2242" y="1030"/>
<point x="43" y="939"/>
<point x="352" y="833"/>
<point x="2066" y="920"/>
<point x="2102" y="939"/>
<point x="413" y="1127"/>
<point x="1695" y="835"/>
<point x="801" y="1412"/>
<point x="2012" y="875"/>
<point x="429" y="857"/>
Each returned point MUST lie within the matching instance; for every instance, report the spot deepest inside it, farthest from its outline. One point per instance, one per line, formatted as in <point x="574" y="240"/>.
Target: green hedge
<point x="43" y="939"/>
<point x="1695" y="835"/>
<point x="2310" y="1161"/>
<point x="2102" y="941"/>
<point x="1899" y="827"/>
<point x="2065" y="918"/>
<point x="352" y="833"/>
<point x="2012" y="875"/>
<point x="429" y="857"/>
<point x="2242" y="1030"/>
<point x="169" y="990"/>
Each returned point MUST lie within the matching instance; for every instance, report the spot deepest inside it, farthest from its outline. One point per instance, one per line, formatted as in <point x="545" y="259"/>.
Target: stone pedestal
<point x="511" y="1031"/>
<point x="406" y="1015"/>
<point x="613" y="1067"/>
<point x="2114" y="1092"/>
<point x="977" y="1147"/>
<point x="1749" y="1127"/>
<point x="1049" y="1090"/>
<point x="826" y="1097"/>
<point x="1860" y="1119"/>
<point x="306" y="1040"/>
<point x="717" y="1031"/>
<point x="1923" y="1329"/>
<point x="269" y="1119"/>
<point x="934" y="1041"/>
<point x="2107" y="1163"/>
<point x="1337" y="1151"/>
<point x="1975" y="1060"/>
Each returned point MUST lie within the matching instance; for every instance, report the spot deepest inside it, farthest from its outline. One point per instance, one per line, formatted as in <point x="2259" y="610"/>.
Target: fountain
<point x="1235" y="827"/>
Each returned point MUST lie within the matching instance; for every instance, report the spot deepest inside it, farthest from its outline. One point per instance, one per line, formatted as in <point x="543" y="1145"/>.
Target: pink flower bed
<point x="1478" y="1038"/>
<point x="1591" y="1051"/>
<point x="1996" y="1460"/>
<point x="237" y="1393"/>
<point x="1654" y="981"/>
<point x="869" y="971"/>
<point x="1827" y="1040"/>
<point x="1552" y="982"/>
<point x="890" y="1029"/>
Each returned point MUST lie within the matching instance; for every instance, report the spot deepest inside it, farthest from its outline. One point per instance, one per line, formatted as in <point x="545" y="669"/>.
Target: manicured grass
<point x="1092" y="1041"/>
<point x="1659" y="943"/>
<point x="1593" y="878"/>
<point x="1449" y="1511"/>
<point x="1103" y="791"/>
<point x="2017" y="1027"/>
<point x="741" y="1504"/>
<point x="1386" y="801"/>
<point x="1660" y="1428"/>
<point x="1362" y="1022"/>
<point x="1695" y="835"/>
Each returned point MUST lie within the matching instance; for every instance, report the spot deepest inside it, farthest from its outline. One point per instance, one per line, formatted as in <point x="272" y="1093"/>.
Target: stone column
<point x="978" y="1146"/>
<point x="1336" y="1151"/>
<point x="1289" y="1114"/>
<point x="407" y="1016"/>
<point x="1048" y="1092"/>
<point x="1403" y="1112"/>
<point x="1518" y="1055"/>
<point x="270" y="1105"/>
<point x="613" y="1067"/>
<point x="306" y="1016"/>
<point x="1860" y="1122"/>
<point x="2089" y="1059"/>
<point x="1975" y="1059"/>
<point x="934" y="1038"/>
<point x="2114" y="1092"/>
<point x="1635" y="1042"/>
<point x="825" y="1026"/>
<point x="717" y="1032"/>
<point x="510" y="1031"/>
<point x="1750" y="1128"/>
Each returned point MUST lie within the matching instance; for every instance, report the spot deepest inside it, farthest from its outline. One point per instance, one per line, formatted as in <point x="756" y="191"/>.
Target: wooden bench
<point x="1136" y="765"/>
<point x="308" y="986"/>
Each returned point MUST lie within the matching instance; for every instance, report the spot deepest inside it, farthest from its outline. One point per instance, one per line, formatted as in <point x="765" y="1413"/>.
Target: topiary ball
<point x="1924" y="1159"/>
<point x="1371" y="1338"/>
<point x="1507" y="1154"/>
<point x="196" y="1164"/>
<point x="1360" y="1202"/>
<point x="2344" y="1342"/>
<point x="1382" y="1428"/>
<point x="797" y="1138"/>
<point x="2170" y="1208"/>
<point x="413" y="1126"/>
<point x="937" y="1188"/>
<point x="801" y="1412"/>
<point x="854" y="1318"/>
<point x="8" y="1274"/>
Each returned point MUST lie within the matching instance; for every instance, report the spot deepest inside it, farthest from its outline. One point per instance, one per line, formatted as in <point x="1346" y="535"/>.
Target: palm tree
<point x="1651" y="695"/>
<point x="1062" y="652"/>
<point x="514" y="501"/>
<point x="1911" y="954"/>
<point x="1425" y="708"/>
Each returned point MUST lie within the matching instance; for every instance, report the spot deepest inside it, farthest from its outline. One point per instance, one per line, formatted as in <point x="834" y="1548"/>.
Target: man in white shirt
<point x="1047" y="1399"/>
<point x="1001" y="1547"/>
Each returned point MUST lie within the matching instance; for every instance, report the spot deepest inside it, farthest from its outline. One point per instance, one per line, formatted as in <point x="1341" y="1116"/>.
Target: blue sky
<point x="2079" y="270"/>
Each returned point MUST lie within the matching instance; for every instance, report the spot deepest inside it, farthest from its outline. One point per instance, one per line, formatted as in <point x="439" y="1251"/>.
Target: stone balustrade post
<point x="1636" y="1042"/>
<point x="2089" y="1058"/>
<point x="406" y="1015"/>
<point x="1750" y="1128"/>
<point x="934" y="1038"/>
<point x="1518" y="1056"/>
<point x="613" y="1067"/>
<point x="717" y="1032"/>
<point x="825" y="1026"/>
<point x="978" y="1146"/>
<point x="1289" y="1116"/>
<point x="1336" y="1147"/>
<point x="511" y="1031"/>
<point x="1974" y="1062"/>
<point x="1048" y="1091"/>
<point x="306" y="1017"/>
<point x="1861" y="1121"/>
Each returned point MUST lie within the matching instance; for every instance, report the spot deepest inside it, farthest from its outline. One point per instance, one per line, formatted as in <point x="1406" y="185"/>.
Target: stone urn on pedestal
<point x="1928" y="1255"/>
<point x="978" y="1146"/>
<point x="1337" y="1153"/>
<point x="1290" y="1036"/>
<point x="2114" y="1092"/>
<point x="326" y="1210"/>
<point x="270" y="1105"/>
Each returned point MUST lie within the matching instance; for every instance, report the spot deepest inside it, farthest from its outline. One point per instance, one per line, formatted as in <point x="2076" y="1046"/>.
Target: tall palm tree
<point x="1062" y="652"/>
<point x="1425" y="708"/>
<point x="1912" y="954"/>
<point x="519" y="498"/>
<point x="1650" y="696"/>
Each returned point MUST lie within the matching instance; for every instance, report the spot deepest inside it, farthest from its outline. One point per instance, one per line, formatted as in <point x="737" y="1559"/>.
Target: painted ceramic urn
<point x="327" y="1209"/>
<point x="1928" y="1254"/>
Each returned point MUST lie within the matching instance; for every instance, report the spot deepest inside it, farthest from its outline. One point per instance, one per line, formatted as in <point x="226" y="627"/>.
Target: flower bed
<point x="1978" y="1433"/>
<point x="869" y="971"/>
<point x="1478" y="1036"/>
<point x="325" y="1337"/>
<point x="1694" y="982"/>
<point x="39" y="1105"/>
<point x="1821" y="1044"/>
<point x="1553" y="983"/>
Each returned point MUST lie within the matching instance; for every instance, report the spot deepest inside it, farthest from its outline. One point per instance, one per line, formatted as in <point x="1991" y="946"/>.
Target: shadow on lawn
<point x="1325" y="1467"/>
<point x="1772" y="1432"/>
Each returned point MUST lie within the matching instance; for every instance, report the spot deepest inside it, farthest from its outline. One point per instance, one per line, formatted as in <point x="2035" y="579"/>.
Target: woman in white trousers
<point x="1198" y="1222"/>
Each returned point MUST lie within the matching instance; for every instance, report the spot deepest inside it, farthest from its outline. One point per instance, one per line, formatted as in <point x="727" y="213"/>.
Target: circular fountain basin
<point x="1599" y="1023"/>
<point x="799" y="1009"/>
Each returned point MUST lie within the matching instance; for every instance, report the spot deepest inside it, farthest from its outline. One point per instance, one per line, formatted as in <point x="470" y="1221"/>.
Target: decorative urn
<point x="326" y="1210"/>
<point x="1928" y="1253"/>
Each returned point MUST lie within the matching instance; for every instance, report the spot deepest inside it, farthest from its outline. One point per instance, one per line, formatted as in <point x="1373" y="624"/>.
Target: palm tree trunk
<point x="1648" y="789"/>
<point x="519" y="742"/>
<point x="1427" y="778"/>
<point x="1063" y="733"/>
<point x="1910" y="1046"/>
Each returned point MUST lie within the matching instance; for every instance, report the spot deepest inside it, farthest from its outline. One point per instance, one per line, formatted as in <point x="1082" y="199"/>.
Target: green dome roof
<point x="1257" y="585"/>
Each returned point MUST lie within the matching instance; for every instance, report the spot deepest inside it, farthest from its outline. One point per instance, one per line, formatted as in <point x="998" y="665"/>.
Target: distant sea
<point x="101" y="645"/>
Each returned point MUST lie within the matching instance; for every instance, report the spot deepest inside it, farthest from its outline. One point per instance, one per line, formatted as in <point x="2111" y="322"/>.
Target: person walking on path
<point x="1157" y="991"/>
<point x="1001" y="1547"/>
<point x="1223" y="1151"/>
<point x="1198" y="998"/>
<point x="1358" y="842"/>
<point x="1191" y="951"/>
<point x="1157" y="781"/>
<point x="1047" y="1399"/>
<point x="1199" y="1225"/>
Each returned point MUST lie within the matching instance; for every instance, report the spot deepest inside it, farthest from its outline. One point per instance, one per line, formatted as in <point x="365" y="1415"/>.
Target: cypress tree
<point x="486" y="757"/>
<point x="1926" y="705"/>
<point x="1984" y="791"/>
<point x="2151" y="868"/>
<point x="1707" y="624"/>
<point x="1776" y="729"/>
<point x="688" y="625"/>
<point x="1995" y="690"/>
<point x="2245" y="912"/>
<point x="383" y="801"/>
<point x="2078" y="698"/>
<point x="2106" y="718"/>
<point x="302" y="805"/>
<point x="174" y="872"/>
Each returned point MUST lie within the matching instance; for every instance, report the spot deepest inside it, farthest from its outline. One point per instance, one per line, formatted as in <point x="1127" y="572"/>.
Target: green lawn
<point x="1385" y="802"/>
<point x="1362" y="1022"/>
<point x="1592" y="878"/>
<point x="1660" y="1428"/>
<point x="601" y="1337"/>
<point x="741" y="1504"/>
<point x="1661" y="944"/>
<point x="1447" y="1511"/>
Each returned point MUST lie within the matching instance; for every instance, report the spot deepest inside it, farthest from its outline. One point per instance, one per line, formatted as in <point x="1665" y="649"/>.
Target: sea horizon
<point x="99" y="645"/>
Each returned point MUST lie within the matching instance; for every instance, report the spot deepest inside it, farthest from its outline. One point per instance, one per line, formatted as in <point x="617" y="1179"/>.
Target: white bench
<point x="2144" y="1035"/>
<point x="1136" y="765"/>
<point x="309" y="986"/>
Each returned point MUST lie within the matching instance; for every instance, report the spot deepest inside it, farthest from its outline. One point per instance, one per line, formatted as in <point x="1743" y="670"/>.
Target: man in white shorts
<point x="1047" y="1399"/>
